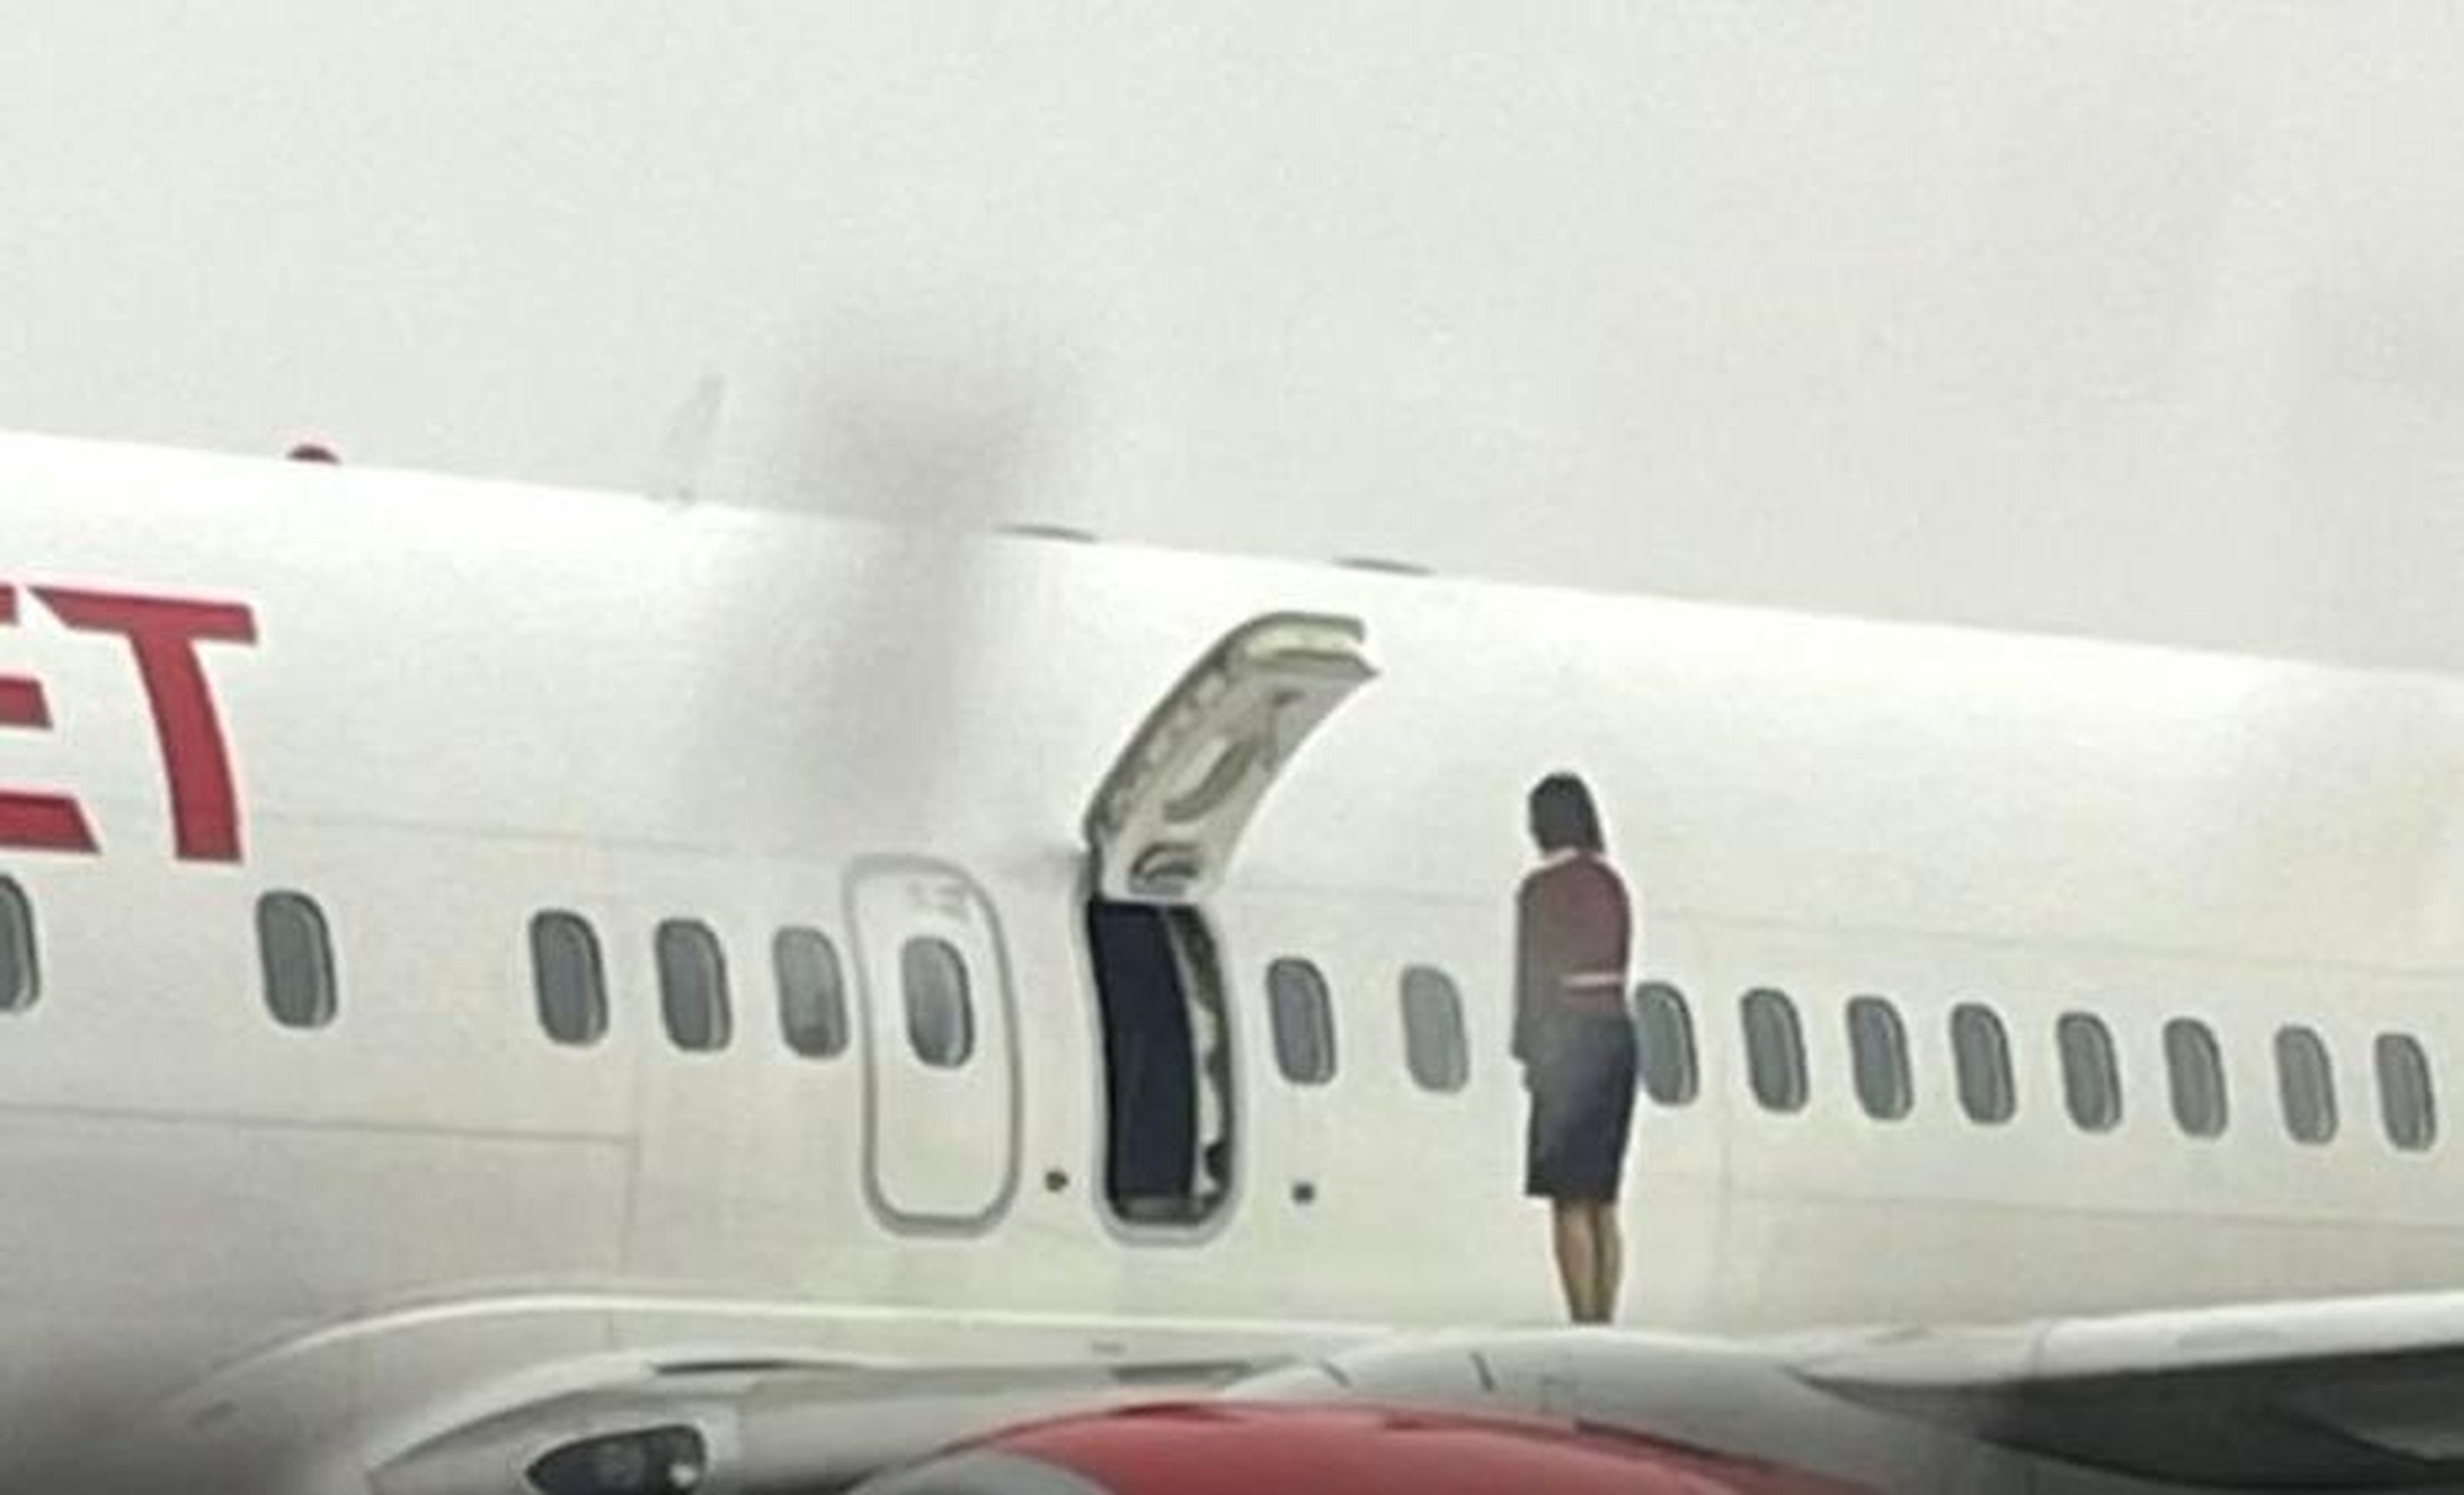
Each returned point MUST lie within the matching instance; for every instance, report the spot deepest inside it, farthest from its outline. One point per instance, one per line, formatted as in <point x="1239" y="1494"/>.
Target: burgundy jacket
<point x="1573" y="935"/>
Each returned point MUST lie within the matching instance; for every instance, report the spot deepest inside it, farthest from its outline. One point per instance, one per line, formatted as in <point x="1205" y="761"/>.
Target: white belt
<point x="1594" y="980"/>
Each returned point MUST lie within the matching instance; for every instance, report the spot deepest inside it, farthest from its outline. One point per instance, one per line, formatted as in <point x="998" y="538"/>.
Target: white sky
<point x="2108" y="315"/>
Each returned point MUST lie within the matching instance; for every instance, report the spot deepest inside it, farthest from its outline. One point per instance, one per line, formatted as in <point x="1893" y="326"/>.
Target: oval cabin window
<point x="1980" y="1050"/>
<point x="692" y="986"/>
<point x="1664" y="1032"/>
<point x="1434" y="1047"/>
<point x="19" y="982"/>
<point x="1774" y="1049"/>
<point x="812" y="995"/>
<point x="2305" y="1085"/>
<point x="296" y="956"/>
<point x="1878" y="1049"/>
<point x="2091" y="1074"/>
<point x="2195" y="1067"/>
<point x="567" y="978"/>
<point x="1303" y="1017"/>
<point x="2406" y="1103"/>
<point x="940" y="1007"/>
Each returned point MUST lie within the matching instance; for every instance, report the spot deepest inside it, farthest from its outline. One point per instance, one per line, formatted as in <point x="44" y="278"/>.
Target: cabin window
<point x="1671" y="1075"/>
<point x="940" y="1005"/>
<point x="2091" y="1075"/>
<point x="2306" y="1083"/>
<point x="567" y="978"/>
<point x="1980" y="1048"/>
<point x="296" y="953"/>
<point x="1434" y="1046"/>
<point x="2195" y="1069"/>
<point x="1877" y="1045"/>
<point x="1304" y="1021"/>
<point x="812" y="993"/>
<point x="19" y="976"/>
<point x="2405" y="1104"/>
<point x="1774" y="1049"/>
<point x="693" y="986"/>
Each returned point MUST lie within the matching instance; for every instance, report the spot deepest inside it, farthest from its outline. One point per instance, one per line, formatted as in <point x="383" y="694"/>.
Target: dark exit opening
<point x="1167" y="1153"/>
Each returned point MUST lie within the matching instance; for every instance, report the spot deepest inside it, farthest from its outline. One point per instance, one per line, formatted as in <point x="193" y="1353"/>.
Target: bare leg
<point x="1608" y="1262"/>
<point x="1577" y="1256"/>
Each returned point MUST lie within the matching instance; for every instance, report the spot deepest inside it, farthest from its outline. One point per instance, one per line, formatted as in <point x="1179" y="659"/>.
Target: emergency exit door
<point x="1162" y="834"/>
<point x="941" y="1046"/>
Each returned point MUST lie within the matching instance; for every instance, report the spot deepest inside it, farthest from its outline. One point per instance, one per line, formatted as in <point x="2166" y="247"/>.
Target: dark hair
<point x="1563" y="817"/>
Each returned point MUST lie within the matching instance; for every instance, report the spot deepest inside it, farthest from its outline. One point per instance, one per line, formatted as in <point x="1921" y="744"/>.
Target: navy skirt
<point x="1582" y="1108"/>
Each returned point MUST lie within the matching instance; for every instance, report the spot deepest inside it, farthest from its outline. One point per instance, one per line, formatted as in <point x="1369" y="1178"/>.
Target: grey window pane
<point x="1774" y="1049"/>
<point x="812" y="993"/>
<point x="1671" y="1075"/>
<point x="2406" y="1103"/>
<point x="2306" y="1085"/>
<point x="567" y="978"/>
<point x="692" y="986"/>
<point x="940" y="1007"/>
<point x="2091" y="1077"/>
<point x="1981" y="1048"/>
<point x="1303" y="1016"/>
<point x="20" y="976"/>
<point x="2195" y="1067"/>
<point x="1434" y="1047"/>
<point x="295" y="954"/>
<point x="1878" y="1043"/>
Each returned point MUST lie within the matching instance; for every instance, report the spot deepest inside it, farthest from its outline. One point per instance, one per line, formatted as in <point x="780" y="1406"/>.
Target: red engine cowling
<point x="1252" y="1448"/>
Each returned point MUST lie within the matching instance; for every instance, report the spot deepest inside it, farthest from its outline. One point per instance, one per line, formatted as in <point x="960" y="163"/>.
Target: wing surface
<point x="2341" y="1394"/>
<point x="777" y="1426"/>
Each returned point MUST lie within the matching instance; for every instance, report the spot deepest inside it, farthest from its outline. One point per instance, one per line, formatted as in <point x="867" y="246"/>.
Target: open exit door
<point x="1162" y="834"/>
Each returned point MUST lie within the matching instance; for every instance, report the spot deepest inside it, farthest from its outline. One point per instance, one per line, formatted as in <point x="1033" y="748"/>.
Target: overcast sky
<point x="2106" y="316"/>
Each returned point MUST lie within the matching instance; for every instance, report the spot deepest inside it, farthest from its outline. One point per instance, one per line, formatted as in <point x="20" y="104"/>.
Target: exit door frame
<point x="873" y="1007"/>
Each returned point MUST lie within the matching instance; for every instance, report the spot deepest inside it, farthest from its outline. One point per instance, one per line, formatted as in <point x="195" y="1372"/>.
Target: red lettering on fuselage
<point x="45" y="822"/>
<point x="163" y="634"/>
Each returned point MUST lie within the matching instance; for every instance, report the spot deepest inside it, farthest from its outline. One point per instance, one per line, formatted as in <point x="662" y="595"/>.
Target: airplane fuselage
<point x="255" y="1204"/>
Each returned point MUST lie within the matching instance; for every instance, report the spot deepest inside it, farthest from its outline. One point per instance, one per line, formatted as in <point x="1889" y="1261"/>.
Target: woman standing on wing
<point x="1573" y="933"/>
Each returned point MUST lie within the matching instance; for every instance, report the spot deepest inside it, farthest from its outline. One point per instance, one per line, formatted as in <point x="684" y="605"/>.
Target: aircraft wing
<point x="2347" y="1395"/>
<point x="2352" y="1394"/>
<point x="786" y="1425"/>
<point x="2357" y="1394"/>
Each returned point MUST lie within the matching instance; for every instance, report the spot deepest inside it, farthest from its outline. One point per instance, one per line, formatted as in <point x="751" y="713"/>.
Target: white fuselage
<point x="470" y="703"/>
